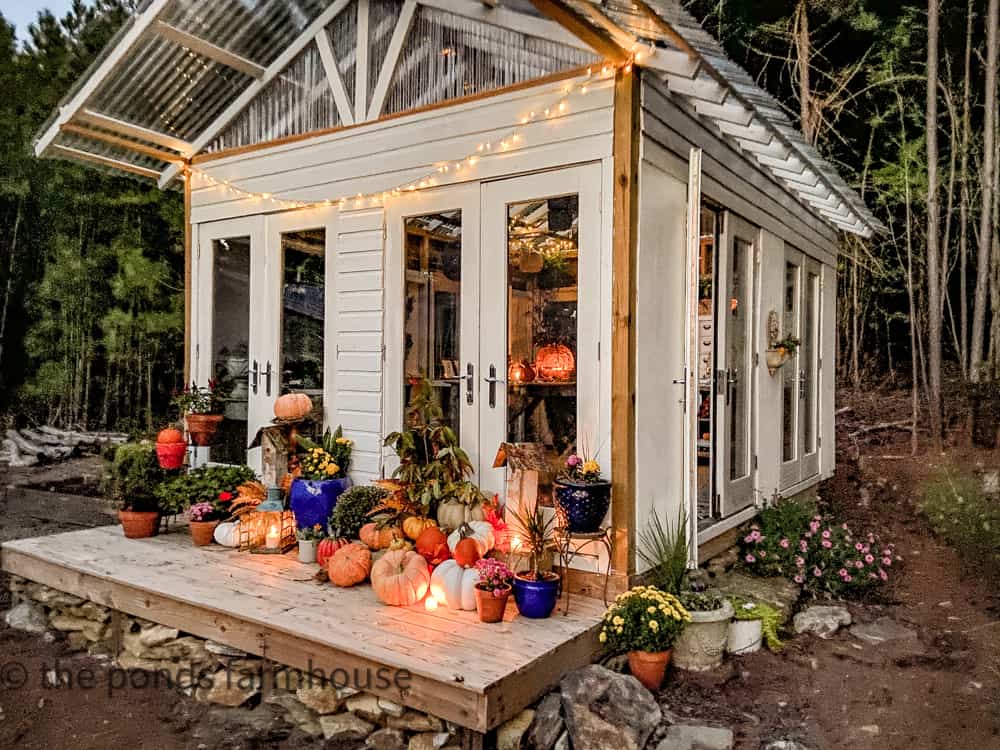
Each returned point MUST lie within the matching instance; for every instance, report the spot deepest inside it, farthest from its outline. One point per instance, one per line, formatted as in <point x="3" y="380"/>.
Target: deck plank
<point x="473" y="674"/>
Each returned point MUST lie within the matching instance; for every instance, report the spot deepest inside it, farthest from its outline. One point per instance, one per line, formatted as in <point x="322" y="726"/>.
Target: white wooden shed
<point x="580" y="220"/>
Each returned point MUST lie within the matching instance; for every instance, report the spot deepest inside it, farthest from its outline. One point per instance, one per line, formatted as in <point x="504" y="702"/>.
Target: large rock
<point x="387" y="739"/>
<point x="157" y="635"/>
<point x="228" y="689"/>
<point x="29" y="617"/>
<point x="892" y="639"/>
<point x="780" y="593"/>
<point x="90" y="611"/>
<point x="415" y="721"/>
<point x="366" y="706"/>
<point x="822" y="621"/>
<point x="510" y="733"/>
<point x="345" y="727"/>
<point x="52" y="597"/>
<point x="605" y="709"/>
<point x="429" y="741"/>
<point x="93" y="631"/>
<point x="295" y="712"/>
<point x="323" y="699"/>
<point x="188" y="649"/>
<point x="690" y="737"/>
<point x="548" y="724"/>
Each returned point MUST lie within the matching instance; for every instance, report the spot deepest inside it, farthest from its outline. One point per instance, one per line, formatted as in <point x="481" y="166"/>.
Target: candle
<point x="431" y="603"/>
<point x="273" y="538"/>
<point x="515" y="544"/>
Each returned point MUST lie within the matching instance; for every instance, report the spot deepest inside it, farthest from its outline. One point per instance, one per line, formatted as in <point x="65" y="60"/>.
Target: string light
<point x="559" y="108"/>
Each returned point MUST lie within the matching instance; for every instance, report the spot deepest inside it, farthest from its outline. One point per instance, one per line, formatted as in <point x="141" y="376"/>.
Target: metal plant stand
<point x="570" y="544"/>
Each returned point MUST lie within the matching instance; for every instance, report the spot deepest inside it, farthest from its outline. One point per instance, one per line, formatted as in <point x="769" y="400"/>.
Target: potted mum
<point x="202" y="519"/>
<point x="582" y="495"/>
<point x="644" y="623"/>
<point x="702" y="644"/>
<point x="535" y="591"/>
<point x="309" y="538"/>
<point x="322" y="478"/>
<point x="131" y="479"/>
<point x="493" y="589"/>
<point x="202" y="410"/>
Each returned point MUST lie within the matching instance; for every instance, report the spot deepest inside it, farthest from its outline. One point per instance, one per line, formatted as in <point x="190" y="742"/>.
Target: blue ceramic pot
<point x="582" y="506"/>
<point x="312" y="500"/>
<point x="536" y="599"/>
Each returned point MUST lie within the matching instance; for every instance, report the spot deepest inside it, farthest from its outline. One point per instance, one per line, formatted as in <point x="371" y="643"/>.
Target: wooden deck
<point x="472" y="674"/>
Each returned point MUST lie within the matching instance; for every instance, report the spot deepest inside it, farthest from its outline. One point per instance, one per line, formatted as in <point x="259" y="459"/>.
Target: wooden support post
<point x="188" y="232"/>
<point x="623" y="284"/>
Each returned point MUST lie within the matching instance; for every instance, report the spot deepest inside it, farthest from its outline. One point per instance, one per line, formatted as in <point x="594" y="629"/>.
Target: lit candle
<point x="431" y="603"/>
<point x="273" y="538"/>
<point x="515" y="544"/>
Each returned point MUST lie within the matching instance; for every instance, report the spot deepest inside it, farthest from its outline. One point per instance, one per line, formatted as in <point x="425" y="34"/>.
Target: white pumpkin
<point x="454" y="586"/>
<point x="451" y="515"/>
<point x="479" y="531"/>
<point x="227" y="534"/>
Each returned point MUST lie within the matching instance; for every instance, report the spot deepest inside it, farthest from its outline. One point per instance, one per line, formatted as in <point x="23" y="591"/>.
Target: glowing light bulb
<point x="430" y="603"/>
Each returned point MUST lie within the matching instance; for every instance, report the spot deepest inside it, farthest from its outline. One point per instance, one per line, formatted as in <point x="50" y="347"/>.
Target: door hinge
<point x="383" y="352"/>
<point x="598" y="351"/>
<point x="755" y="463"/>
<point x="756" y="359"/>
<point x="717" y="505"/>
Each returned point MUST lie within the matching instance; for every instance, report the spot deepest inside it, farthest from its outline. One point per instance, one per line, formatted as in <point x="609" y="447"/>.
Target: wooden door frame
<point x="791" y="470"/>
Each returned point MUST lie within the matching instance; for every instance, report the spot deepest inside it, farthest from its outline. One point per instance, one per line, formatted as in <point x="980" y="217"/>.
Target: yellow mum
<point x="332" y="469"/>
<point x="591" y="467"/>
<point x="654" y="625"/>
<point x="603" y="637"/>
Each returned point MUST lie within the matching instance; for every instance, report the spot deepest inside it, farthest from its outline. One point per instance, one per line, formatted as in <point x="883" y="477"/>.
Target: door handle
<point x="802" y="384"/>
<point x="493" y="380"/>
<point x="732" y="378"/>
<point x="267" y="379"/>
<point x="255" y="377"/>
<point x="470" y="384"/>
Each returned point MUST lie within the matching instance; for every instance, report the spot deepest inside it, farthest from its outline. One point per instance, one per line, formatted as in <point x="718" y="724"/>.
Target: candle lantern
<point x="555" y="362"/>
<point x="520" y="372"/>
<point x="270" y="529"/>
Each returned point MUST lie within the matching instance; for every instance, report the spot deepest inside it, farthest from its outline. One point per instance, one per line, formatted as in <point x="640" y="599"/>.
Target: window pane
<point x="810" y="326"/>
<point x="303" y="303"/>
<point x="433" y="307"/>
<point x="230" y="343"/>
<point x="788" y="372"/>
<point x="737" y="344"/>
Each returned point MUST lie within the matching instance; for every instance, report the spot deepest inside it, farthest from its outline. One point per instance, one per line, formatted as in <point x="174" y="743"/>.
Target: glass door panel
<point x="809" y="370"/>
<point x="303" y="313"/>
<point x="791" y="428"/>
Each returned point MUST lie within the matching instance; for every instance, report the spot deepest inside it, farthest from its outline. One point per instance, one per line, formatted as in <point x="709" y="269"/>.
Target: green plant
<point x="958" y="510"/>
<point x="310" y="534"/>
<point x="770" y="619"/>
<point x="352" y="510"/>
<point x="701" y="601"/>
<point x="195" y="399"/>
<point x="643" y="619"/>
<point x="206" y="484"/>
<point x="132" y="477"/>
<point x="582" y="469"/>
<point x="433" y="468"/>
<point x="337" y="448"/>
<point x="535" y="532"/>
<point x="790" y="344"/>
<point x="665" y="551"/>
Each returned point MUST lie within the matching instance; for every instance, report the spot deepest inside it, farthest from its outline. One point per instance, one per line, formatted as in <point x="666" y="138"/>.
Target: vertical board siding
<point x="358" y="376"/>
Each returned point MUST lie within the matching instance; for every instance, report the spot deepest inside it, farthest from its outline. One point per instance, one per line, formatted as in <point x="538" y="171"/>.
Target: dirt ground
<point x="832" y="694"/>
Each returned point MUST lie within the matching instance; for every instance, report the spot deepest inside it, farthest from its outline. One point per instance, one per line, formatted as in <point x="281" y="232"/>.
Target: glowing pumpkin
<point x="350" y="565"/>
<point x="327" y="548"/>
<point x="378" y="537"/>
<point x="432" y="544"/>
<point x="414" y="526"/>
<point x="555" y="362"/>
<point x="454" y="586"/>
<point x="400" y="578"/>
<point x="292" y="406"/>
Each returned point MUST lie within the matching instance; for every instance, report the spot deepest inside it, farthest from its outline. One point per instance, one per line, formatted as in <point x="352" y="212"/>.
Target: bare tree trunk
<point x="985" y="215"/>
<point x="803" y="54"/>
<point x="934" y="306"/>
<point x="963" y="209"/>
<point x="11" y="265"/>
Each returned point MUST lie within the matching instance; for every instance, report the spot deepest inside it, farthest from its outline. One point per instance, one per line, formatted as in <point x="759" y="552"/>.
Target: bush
<point x="352" y="509"/>
<point x="132" y="476"/>
<point x="957" y="509"/>
<point x="207" y="484"/>
<point x="643" y="619"/>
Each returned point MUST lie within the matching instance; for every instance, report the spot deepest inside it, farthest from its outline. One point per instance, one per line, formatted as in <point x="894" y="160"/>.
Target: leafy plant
<point x="494" y="576"/>
<point x="133" y="476"/>
<point x="701" y="601"/>
<point x="207" y="484"/>
<point x="195" y="399"/>
<point x="770" y="619"/>
<point x="643" y="619"/>
<point x="433" y="468"/>
<point x="960" y="512"/>
<point x="665" y="551"/>
<point x="352" y="510"/>
<point x="536" y="534"/>
<point x="582" y="469"/>
<point x="337" y="448"/>
<point x="310" y="533"/>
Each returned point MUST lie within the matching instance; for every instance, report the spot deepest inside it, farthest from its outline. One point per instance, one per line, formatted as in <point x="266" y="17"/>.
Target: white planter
<point x="745" y="637"/>
<point x="702" y="643"/>
<point x="307" y="551"/>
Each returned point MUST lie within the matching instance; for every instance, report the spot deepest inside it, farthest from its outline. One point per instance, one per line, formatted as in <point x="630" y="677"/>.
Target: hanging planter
<point x="775" y="358"/>
<point x="170" y="449"/>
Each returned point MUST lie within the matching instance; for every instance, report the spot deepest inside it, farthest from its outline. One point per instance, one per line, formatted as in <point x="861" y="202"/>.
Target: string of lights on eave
<point x="561" y="106"/>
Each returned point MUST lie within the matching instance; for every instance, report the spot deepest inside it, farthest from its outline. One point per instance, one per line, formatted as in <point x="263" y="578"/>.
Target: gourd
<point x="169" y="436"/>
<point x="414" y="526"/>
<point x="481" y="532"/>
<point x="466" y="552"/>
<point x="400" y="578"/>
<point x="227" y="533"/>
<point x="378" y="537"/>
<point x="454" y="585"/>
<point x="292" y="406"/>
<point x="349" y="565"/>
<point x="453" y="514"/>
<point x="327" y="548"/>
<point x="432" y="544"/>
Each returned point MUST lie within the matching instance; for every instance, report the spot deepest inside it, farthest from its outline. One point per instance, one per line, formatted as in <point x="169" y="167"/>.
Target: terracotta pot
<point x="171" y="455"/>
<point x="202" y="532"/>
<point x="489" y="607"/>
<point x="202" y="427"/>
<point x="139" y="525"/>
<point x="649" y="668"/>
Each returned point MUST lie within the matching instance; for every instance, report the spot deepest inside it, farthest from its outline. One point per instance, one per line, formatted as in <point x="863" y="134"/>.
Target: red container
<point x="171" y="455"/>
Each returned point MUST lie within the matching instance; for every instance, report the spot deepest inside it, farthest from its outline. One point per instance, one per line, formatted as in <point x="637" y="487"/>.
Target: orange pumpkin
<point x="349" y="565"/>
<point x="170" y="436"/>
<point x="400" y="578"/>
<point x="414" y="526"/>
<point x="432" y="544"/>
<point x="292" y="406"/>
<point x="327" y="548"/>
<point x="466" y="552"/>
<point x="378" y="537"/>
<point x="555" y="362"/>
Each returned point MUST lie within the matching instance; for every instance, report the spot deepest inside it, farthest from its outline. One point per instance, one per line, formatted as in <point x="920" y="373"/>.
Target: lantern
<point x="520" y="372"/>
<point x="269" y="529"/>
<point x="555" y="362"/>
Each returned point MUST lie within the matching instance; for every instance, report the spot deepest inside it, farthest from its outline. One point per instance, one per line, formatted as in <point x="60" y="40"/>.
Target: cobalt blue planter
<point x="536" y="599"/>
<point x="312" y="500"/>
<point x="582" y="506"/>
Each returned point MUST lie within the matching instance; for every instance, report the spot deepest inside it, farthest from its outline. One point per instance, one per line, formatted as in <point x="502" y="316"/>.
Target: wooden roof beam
<point x="105" y="161"/>
<point x="131" y="130"/>
<point x="114" y="140"/>
<point x="600" y="41"/>
<point x="206" y="49"/>
<point x="333" y="77"/>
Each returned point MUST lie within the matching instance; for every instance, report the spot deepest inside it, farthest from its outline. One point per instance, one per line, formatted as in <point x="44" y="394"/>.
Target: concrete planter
<point x="702" y="643"/>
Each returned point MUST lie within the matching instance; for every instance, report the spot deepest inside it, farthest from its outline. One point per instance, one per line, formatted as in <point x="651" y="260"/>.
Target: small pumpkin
<point x="169" y="436"/>
<point x="414" y="526"/>
<point x="466" y="552"/>
<point x="292" y="406"/>
<point x="451" y="515"/>
<point x="327" y="548"/>
<point x="349" y="565"/>
<point x="480" y="531"/>
<point x="433" y="545"/>
<point x="454" y="586"/>
<point x="399" y="543"/>
<point x="376" y="536"/>
<point x="227" y="534"/>
<point x="400" y="578"/>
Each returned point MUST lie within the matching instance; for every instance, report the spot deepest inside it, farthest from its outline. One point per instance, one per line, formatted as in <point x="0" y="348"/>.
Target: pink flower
<point x="814" y="526"/>
<point x="844" y="526"/>
<point x="869" y="559"/>
<point x="842" y="572"/>
<point x="826" y="533"/>
<point x="763" y="553"/>
<point x="858" y="564"/>
<point x="803" y="545"/>
<point x="800" y="562"/>
<point x="798" y="579"/>
<point x="883" y="575"/>
<point x="751" y="559"/>
<point x="859" y="546"/>
<point x="827" y="543"/>
<point x="783" y="543"/>
<point x="887" y="561"/>
<point x="847" y="579"/>
<point x="573" y="461"/>
<point x="817" y="572"/>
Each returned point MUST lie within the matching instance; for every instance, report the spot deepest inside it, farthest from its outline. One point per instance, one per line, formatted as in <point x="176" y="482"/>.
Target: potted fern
<point x="535" y="591"/>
